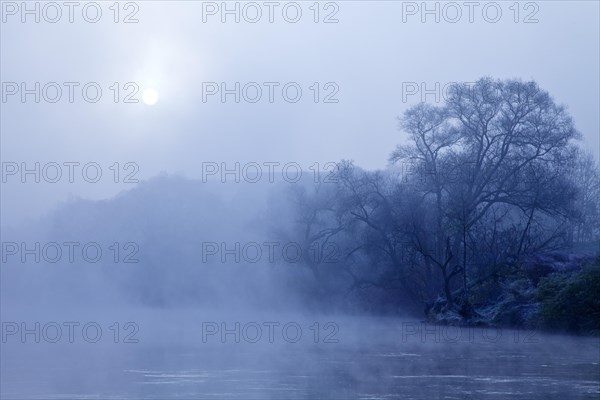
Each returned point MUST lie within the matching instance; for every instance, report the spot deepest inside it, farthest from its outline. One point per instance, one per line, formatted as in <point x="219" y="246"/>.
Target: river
<point x="162" y="356"/>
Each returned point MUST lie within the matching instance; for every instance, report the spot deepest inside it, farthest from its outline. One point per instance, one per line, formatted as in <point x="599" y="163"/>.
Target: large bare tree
<point x="492" y="143"/>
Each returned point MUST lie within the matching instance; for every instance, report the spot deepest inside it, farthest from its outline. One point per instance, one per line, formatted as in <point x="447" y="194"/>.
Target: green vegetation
<point x="571" y="302"/>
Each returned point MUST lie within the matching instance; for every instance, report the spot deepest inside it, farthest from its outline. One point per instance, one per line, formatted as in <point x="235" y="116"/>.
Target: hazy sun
<point x="150" y="96"/>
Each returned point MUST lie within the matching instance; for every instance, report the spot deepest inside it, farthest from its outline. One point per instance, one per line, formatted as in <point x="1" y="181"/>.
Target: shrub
<point x="570" y="302"/>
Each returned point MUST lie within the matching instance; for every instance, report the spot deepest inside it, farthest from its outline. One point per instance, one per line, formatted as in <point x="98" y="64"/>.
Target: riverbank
<point x="555" y="292"/>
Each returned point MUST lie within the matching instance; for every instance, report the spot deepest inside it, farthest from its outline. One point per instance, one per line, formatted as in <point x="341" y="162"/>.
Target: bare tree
<point x="488" y="178"/>
<point x="493" y="133"/>
<point x="586" y="174"/>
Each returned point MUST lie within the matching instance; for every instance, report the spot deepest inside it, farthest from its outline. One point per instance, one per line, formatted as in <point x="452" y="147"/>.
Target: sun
<point x="150" y="96"/>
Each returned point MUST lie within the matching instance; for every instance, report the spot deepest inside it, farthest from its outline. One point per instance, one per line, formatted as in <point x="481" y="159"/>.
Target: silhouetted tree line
<point x="481" y="182"/>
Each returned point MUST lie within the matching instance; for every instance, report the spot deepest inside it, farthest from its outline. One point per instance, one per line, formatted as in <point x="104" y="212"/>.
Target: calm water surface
<point x="372" y="359"/>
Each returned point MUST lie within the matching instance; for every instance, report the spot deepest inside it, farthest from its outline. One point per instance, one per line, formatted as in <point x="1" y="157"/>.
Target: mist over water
<point x="374" y="358"/>
<point x="171" y="326"/>
<point x="299" y="200"/>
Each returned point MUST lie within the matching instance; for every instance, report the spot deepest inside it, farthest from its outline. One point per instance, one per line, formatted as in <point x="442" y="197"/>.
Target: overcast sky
<point x="364" y="61"/>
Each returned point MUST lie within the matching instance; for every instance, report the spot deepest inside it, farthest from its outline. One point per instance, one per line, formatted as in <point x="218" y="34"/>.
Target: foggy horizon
<point x="299" y="200"/>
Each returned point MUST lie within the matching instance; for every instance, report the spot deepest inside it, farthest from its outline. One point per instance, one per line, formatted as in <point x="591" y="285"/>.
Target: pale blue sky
<point x="368" y="54"/>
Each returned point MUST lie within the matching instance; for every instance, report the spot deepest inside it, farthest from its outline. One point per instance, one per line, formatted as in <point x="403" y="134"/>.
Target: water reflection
<point x="372" y="360"/>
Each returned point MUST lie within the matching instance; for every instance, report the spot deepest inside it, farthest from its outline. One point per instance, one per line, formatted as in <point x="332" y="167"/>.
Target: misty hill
<point x="159" y="227"/>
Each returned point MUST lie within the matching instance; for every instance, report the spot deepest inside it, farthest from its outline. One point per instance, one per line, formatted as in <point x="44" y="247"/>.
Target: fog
<point x="160" y="260"/>
<point x="374" y="54"/>
<point x="300" y="200"/>
<point x="181" y="322"/>
<point x="367" y="358"/>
